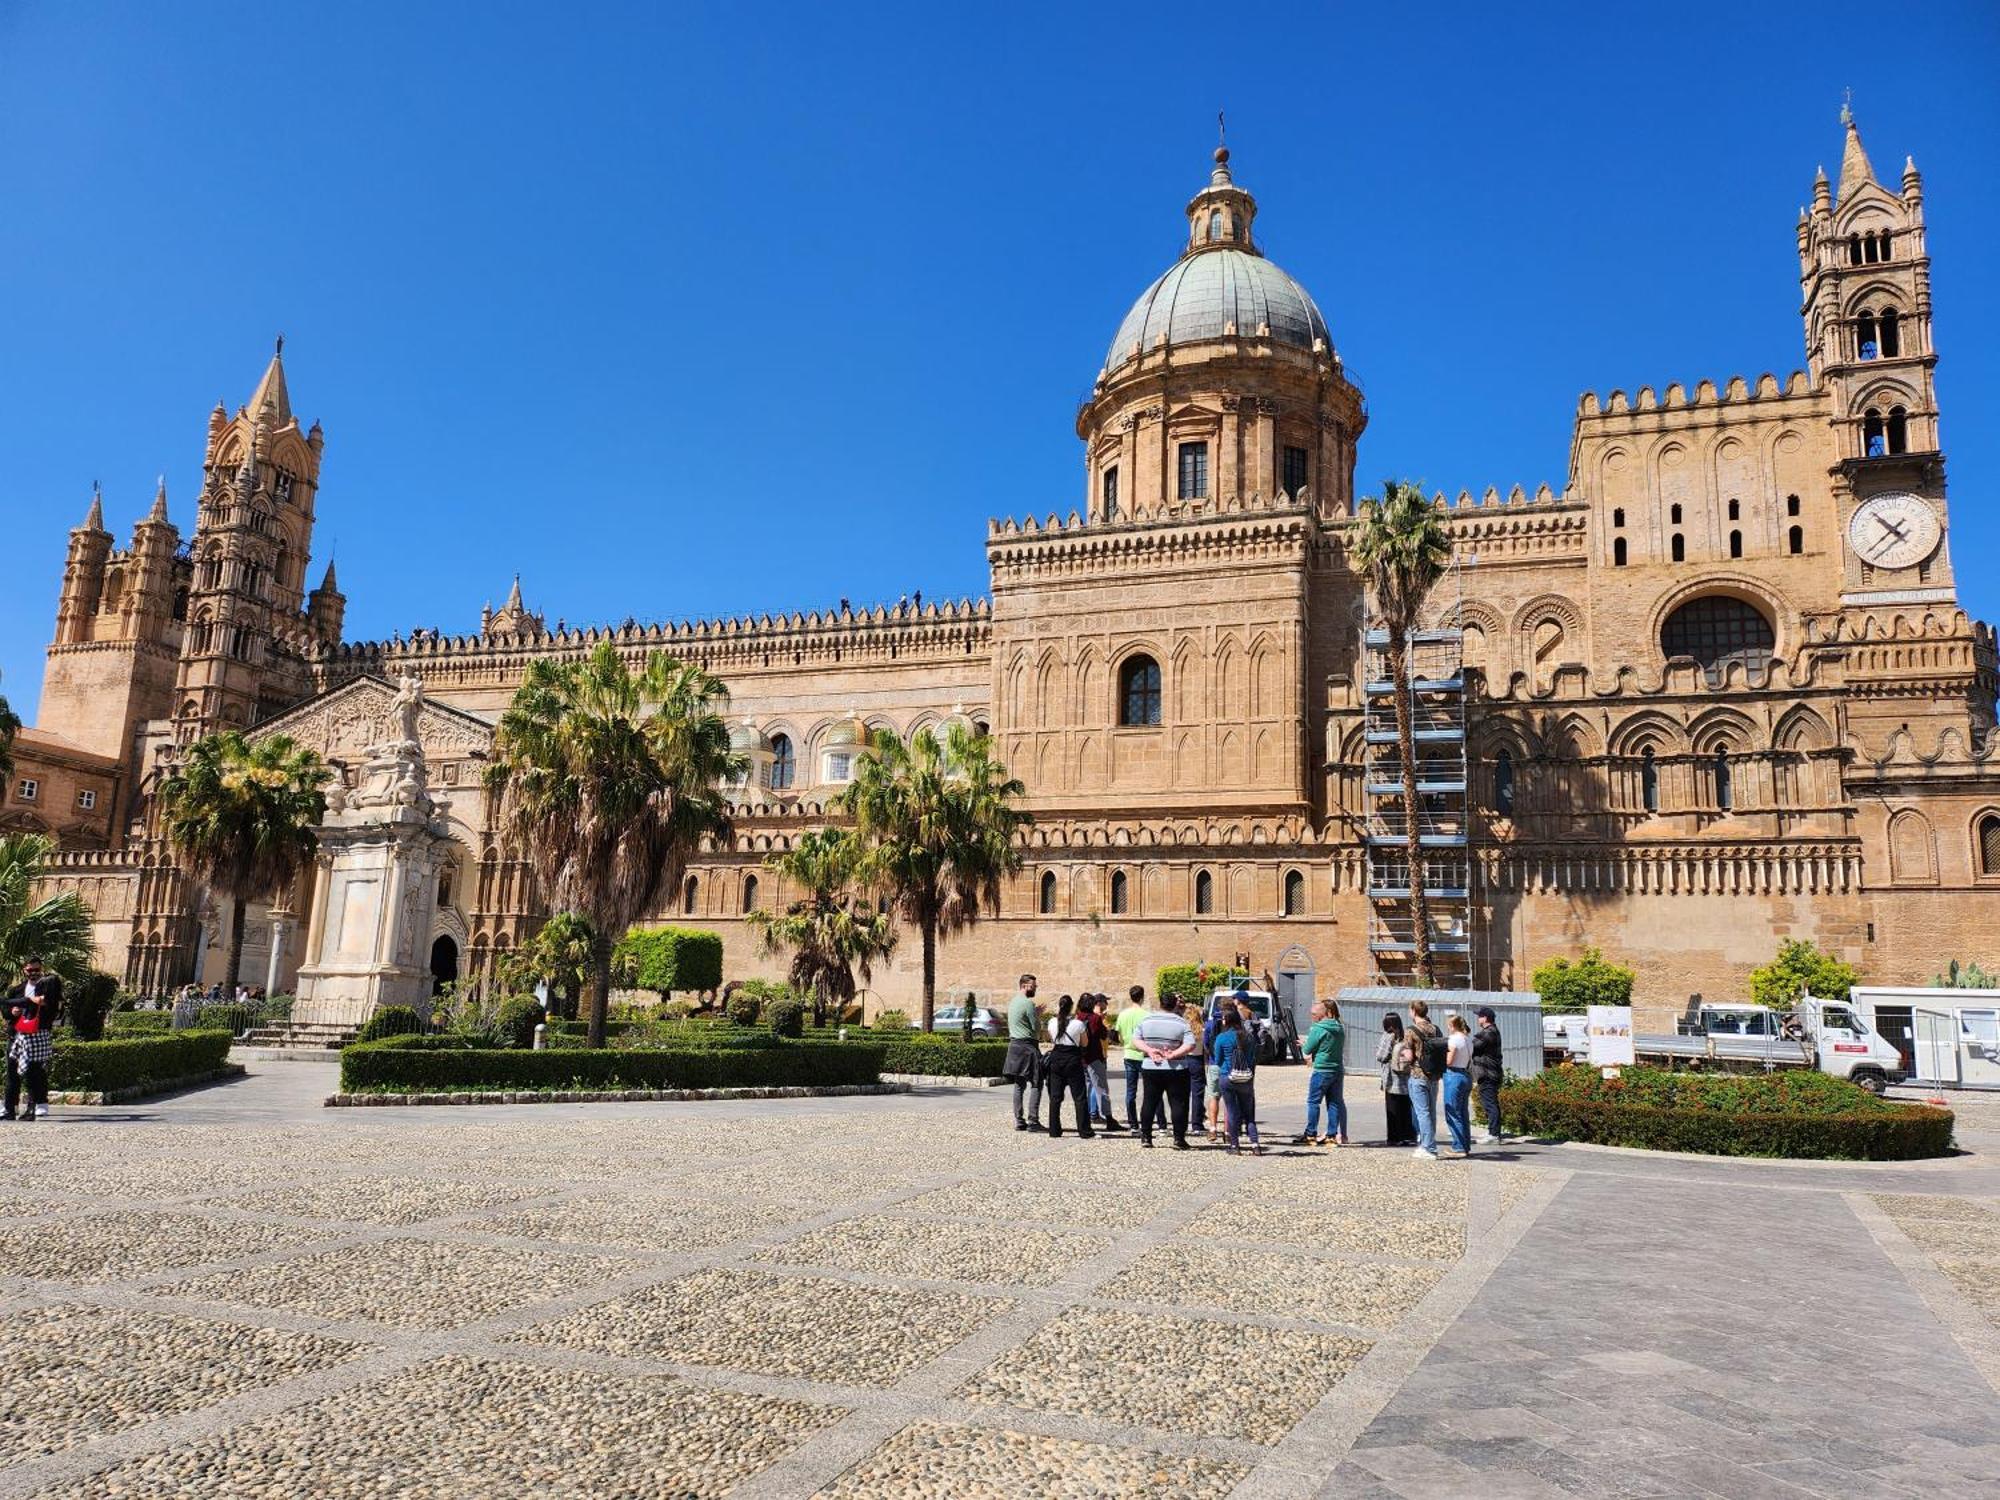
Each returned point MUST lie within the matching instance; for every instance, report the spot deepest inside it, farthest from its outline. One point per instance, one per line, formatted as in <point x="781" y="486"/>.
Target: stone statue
<point x="405" y="707"/>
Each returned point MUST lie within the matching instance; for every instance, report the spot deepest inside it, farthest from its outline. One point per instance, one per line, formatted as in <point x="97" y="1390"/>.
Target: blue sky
<point x="692" y="312"/>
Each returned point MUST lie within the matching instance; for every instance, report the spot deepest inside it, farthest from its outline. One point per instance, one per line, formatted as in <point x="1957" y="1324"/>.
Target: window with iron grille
<point x="1119" y="903"/>
<point x="1295" y="894"/>
<point x="1194" y="471"/>
<point x="784" y="764"/>
<point x="1989" y="844"/>
<point x="1048" y="893"/>
<point x="1716" y="630"/>
<point x="1298" y="471"/>
<point x="1139" y="692"/>
<point x="1204" y="893"/>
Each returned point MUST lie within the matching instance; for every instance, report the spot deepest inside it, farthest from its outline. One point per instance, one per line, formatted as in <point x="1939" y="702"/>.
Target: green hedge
<point x="134" y="1061"/>
<point x="127" y="1022"/>
<point x="1194" y="983"/>
<point x="421" y="1065"/>
<point x="938" y="1056"/>
<point x="1790" y="1114"/>
<point x="672" y="958"/>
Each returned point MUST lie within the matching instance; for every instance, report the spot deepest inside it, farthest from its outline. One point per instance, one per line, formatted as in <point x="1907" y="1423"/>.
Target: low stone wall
<point x="615" y="1096"/>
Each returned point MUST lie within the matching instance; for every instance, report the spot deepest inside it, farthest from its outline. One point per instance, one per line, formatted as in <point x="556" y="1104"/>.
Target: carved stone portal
<point x="382" y="848"/>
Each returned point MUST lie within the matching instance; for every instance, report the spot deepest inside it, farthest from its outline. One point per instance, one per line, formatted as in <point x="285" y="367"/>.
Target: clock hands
<point x="1892" y="528"/>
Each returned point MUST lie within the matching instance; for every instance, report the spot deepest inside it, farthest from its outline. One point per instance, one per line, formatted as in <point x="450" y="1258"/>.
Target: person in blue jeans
<point x="1424" y="1041"/>
<point x="1458" y="1086"/>
<point x="1323" y="1048"/>
<point x="1236" y="1068"/>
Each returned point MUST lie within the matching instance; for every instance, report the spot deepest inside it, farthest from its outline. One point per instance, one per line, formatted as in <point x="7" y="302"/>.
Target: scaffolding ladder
<point x="1441" y="809"/>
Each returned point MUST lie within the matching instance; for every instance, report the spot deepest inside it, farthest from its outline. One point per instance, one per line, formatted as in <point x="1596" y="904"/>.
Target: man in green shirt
<point x="1323" y="1047"/>
<point x="1024" y="1054"/>
<point x="1127" y="1021"/>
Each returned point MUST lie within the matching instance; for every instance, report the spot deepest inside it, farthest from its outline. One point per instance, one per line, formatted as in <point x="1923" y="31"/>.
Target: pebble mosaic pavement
<point x="895" y="1298"/>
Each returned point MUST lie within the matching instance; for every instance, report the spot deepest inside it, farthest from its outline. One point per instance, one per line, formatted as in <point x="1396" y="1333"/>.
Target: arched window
<point x="1139" y="692"/>
<point x="784" y="762"/>
<point x="1204" y="893"/>
<point x="1735" y="544"/>
<point x="1503" y="783"/>
<point x="1891" y="327"/>
<point x="1988" y="840"/>
<point x="1048" y="904"/>
<point x="1215" y="224"/>
<point x="1885" y="238"/>
<point x="1717" y="629"/>
<point x="690" y="890"/>
<point x="749" y="893"/>
<point x="1649" y="781"/>
<point x="1295" y="894"/>
<point x="1725" y="793"/>
<point x="981" y="729"/>
<point x="1873" y="444"/>
<point x="1854" y="249"/>
<point x="1680" y="548"/>
<point x="1674" y="514"/>
<point x="1108" y="487"/>
<point x="1735" y="510"/>
<point x="1795" y="540"/>
<point x="1119" y="899"/>
<point x="1899" y="430"/>
<point x="1618" y="552"/>
<point x="1618" y="516"/>
<point x="1791" y="505"/>
<point x="1864" y="336"/>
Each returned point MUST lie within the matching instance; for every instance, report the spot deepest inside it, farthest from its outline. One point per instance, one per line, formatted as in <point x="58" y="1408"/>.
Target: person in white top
<point x="1064" y="1068"/>
<point x="1458" y="1085"/>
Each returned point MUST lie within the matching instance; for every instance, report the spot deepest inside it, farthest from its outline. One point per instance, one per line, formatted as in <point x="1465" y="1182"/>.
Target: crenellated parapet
<point x="1167" y="535"/>
<point x="1734" y="391"/>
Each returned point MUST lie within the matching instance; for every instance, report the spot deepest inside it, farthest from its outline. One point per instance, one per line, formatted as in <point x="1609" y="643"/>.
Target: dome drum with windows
<point x="1233" y="357"/>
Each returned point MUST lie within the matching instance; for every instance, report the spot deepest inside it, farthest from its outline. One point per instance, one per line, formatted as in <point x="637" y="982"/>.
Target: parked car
<point x="950" y="1020"/>
<point x="1277" y="1037"/>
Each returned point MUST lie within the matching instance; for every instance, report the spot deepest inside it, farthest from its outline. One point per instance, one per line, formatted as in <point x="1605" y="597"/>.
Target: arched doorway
<point x="444" y="962"/>
<point x="1294" y="986"/>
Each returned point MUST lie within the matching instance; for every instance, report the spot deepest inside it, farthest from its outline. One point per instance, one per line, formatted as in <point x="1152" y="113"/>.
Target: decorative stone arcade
<point x="382" y="848"/>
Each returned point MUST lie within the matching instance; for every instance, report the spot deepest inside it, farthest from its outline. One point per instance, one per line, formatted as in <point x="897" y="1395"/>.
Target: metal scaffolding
<point x="1441" y="809"/>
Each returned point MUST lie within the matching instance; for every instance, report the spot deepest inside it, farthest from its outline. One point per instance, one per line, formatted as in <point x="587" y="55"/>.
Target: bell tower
<point x="247" y="635"/>
<point x="1865" y="273"/>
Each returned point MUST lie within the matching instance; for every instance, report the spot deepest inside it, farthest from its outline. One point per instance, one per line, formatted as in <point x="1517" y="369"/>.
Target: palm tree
<point x="936" y="815"/>
<point x="559" y="953"/>
<point x="830" y="931"/>
<point x="55" y="929"/>
<point x="10" y="725"/>
<point x="606" y="779"/>
<point x="1403" y="545"/>
<point x="242" y="814"/>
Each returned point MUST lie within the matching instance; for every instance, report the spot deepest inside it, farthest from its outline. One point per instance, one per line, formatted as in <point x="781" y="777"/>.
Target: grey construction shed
<point x="1518" y="1014"/>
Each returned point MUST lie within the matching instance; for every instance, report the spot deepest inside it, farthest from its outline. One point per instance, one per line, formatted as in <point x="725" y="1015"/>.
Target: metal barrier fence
<point x="1517" y="1013"/>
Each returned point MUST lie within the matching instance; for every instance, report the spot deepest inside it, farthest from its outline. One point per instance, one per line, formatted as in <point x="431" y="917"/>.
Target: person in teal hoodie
<point x="1323" y="1047"/>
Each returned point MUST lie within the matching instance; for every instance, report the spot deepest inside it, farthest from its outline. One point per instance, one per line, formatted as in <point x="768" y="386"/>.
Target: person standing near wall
<point x="1489" y="1066"/>
<point x="1324" y="1047"/>
<point x="1024" y="1055"/>
<point x="1393" y="1059"/>
<point x="1458" y="1086"/>
<point x="1166" y="1040"/>
<point x="1126" y="1022"/>
<point x="1426" y="1048"/>
<point x="1064" y="1068"/>
<point x="1094" y="1061"/>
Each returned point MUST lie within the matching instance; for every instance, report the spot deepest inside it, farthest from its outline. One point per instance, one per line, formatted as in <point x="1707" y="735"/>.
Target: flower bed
<point x="430" y="1063"/>
<point x="1788" y="1114"/>
<point x="136" y="1061"/>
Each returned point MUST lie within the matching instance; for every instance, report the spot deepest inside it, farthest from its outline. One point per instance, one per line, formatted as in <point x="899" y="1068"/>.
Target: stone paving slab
<point x="932" y="1461"/>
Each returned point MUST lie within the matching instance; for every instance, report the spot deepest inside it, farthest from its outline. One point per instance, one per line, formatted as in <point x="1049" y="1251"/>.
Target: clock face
<point x="1894" y="530"/>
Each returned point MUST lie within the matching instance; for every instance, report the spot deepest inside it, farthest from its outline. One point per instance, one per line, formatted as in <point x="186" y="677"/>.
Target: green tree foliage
<point x="1569" y="986"/>
<point x="1403" y="545"/>
<point x="1194" y="983"/>
<point x="517" y="1019"/>
<point x="786" y="1017"/>
<point x="666" y="959"/>
<point x="558" y="955"/>
<point x="831" y="930"/>
<point x="10" y="725"/>
<point x="1966" y="977"/>
<point x="606" y="780"/>
<point x="55" y="929"/>
<point x="390" y="1020"/>
<point x="936" y="814"/>
<point x="89" y="1003"/>
<point x="1800" y="967"/>
<point x="242" y="814"/>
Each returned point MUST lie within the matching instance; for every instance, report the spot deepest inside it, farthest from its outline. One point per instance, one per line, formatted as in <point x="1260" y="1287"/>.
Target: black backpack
<point x="1434" y="1054"/>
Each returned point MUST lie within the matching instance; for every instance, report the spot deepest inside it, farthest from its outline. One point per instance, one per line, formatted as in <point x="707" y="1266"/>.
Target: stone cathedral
<point x="1719" y="689"/>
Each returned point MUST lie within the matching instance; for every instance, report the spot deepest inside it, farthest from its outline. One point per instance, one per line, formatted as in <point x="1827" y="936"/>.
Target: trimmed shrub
<point x="745" y="1008"/>
<point x="1800" y="966"/>
<point x="938" y="1055"/>
<point x="787" y="1017"/>
<point x="1570" y="986"/>
<point x="892" y="1020"/>
<point x="134" y="1022"/>
<point x="1790" y="1114"/>
<point x="519" y="1016"/>
<point x="676" y="1010"/>
<point x="133" y="1061"/>
<point x="224" y="1015"/>
<point x="431" y="1064"/>
<point x="390" y="1020"/>
<point x="672" y="958"/>
<point x="1194" y="983"/>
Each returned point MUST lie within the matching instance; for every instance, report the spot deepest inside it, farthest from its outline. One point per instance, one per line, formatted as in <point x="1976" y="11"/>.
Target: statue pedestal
<point x="381" y="851"/>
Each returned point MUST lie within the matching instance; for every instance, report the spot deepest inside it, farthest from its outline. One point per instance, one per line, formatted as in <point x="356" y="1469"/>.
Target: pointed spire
<point x="95" y="520"/>
<point x="514" y="596"/>
<point x="327" y="585"/>
<point x="159" y="510"/>
<point x="272" y="387"/>
<point x="1855" y="172"/>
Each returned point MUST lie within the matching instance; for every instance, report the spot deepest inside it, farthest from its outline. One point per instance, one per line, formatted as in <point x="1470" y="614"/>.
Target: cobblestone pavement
<point x="238" y="1293"/>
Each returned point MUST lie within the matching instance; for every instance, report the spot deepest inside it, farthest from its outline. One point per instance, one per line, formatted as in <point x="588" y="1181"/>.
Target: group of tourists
<point x="29" y="1012"/>
<point x="1185" y="1073"/>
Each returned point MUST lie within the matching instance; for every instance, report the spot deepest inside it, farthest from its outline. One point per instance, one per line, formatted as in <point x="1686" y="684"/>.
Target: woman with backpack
<point x="1425" y="1045"/>
<point x="1393" y="1060"/>
<point x="1236" y="1070"/>
<point x="1064" y="1068"/>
